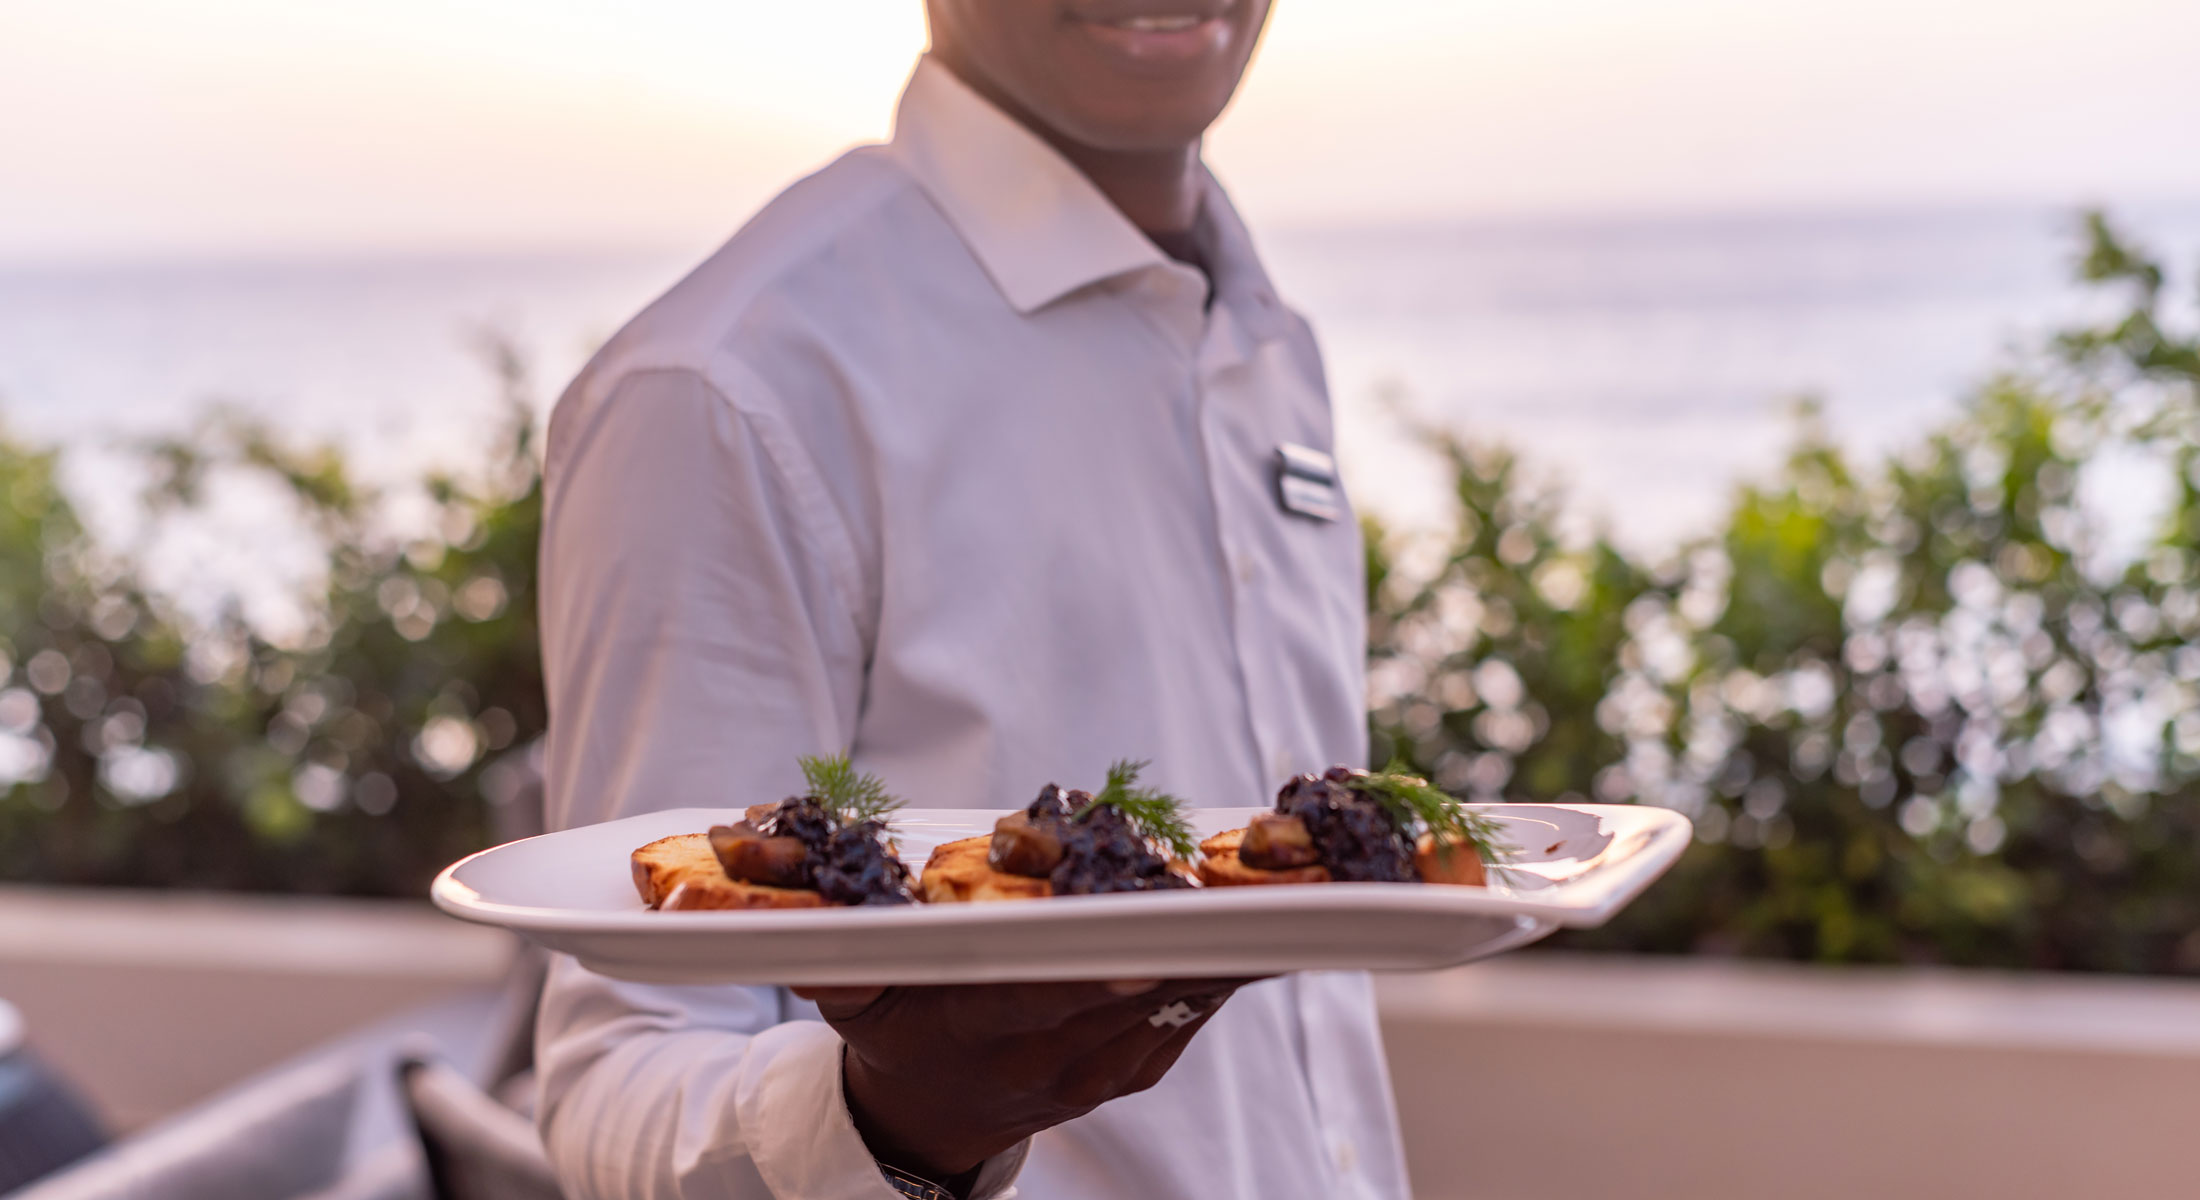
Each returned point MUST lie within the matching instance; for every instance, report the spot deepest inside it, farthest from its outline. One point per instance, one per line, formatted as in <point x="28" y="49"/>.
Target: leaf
<point x="1419" y="806"/>
<point x="851" y="795"/>
<point x="1156" y="815"/>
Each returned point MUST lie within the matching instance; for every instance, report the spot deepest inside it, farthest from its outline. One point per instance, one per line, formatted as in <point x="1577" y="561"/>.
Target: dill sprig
<point x="852" y="796"/>
<point x="1156" y="815"/>
<point x="1419" y="806"/>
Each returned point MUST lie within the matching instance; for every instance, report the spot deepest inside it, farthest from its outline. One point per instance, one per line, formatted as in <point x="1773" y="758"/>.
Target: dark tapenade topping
<point x="1103" y="852"/>
<point x="1364" y="826"/>
<point x="1353" y="834"/>
<point x="801" y="817"/>
<point x="1085" y="845"/>
<point x="831" y="841"/>
<point x="1054" y="804"/>
<point x="858" y="870"/>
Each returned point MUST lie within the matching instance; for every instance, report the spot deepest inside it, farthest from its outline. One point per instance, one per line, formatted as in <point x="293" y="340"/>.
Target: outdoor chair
<point x="479" y="1139"/>
<point x="476" y="1147"/>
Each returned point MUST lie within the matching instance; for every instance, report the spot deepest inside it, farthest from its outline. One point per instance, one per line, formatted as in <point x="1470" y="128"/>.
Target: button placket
<point x="1218" y="356"/>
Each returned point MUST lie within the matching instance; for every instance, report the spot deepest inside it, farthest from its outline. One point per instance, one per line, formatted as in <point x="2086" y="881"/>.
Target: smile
<point x="1158" y="33"/>
<point x="1173" y="24"/>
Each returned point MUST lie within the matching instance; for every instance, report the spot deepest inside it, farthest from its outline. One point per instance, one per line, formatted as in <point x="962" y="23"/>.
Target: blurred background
<point x="1788" y="414"/>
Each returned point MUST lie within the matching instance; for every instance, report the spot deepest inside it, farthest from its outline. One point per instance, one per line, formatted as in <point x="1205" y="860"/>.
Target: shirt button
<point x="1282" y="764"/>
<point x="1347" y="1155"/>
<point x="1247" y="569"/>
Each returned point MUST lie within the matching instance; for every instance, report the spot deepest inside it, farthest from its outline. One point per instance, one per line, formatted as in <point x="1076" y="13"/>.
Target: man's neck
<point x="1159" y="190"/>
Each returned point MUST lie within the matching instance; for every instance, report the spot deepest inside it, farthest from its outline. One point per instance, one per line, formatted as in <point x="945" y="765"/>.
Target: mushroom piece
<point x="1025" y="847"/>
<point x="1275" y="842"/>
<point x="747" y="855"/>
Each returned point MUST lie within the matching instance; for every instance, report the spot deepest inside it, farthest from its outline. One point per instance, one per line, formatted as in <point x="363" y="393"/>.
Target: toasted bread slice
<point x="1225" y="842"/>
<point x="1223" y="868"/>
<point x="958" y="872"/>
<point x="680" y="874"/>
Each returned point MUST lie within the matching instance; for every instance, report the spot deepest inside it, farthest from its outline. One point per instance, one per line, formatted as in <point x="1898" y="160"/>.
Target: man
<point x="962" y="455"/>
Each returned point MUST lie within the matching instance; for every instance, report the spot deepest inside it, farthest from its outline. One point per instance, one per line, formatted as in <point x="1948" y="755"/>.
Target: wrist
<point x="917" y="1187"/>
<point x="902" y="1128"/>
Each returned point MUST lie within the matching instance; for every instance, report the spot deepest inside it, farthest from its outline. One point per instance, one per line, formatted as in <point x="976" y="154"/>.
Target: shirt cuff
<point x="997" y="1178"/>
<point x="802" y="1140"/>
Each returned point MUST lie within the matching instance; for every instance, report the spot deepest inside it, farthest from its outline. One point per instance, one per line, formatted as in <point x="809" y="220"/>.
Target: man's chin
<point x="1140" y="130"/>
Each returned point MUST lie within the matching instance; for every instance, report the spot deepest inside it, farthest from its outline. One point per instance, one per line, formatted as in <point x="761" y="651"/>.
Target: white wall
<point x="1542" y="1077"/>
<point x="151" y="1000"/>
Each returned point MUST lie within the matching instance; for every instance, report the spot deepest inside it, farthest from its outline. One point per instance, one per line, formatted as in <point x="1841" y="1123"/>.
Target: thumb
<point x="840" y="1003"/>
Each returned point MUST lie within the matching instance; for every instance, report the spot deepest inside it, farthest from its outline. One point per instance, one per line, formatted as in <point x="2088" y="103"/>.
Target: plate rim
<point x="1603" y="888"/>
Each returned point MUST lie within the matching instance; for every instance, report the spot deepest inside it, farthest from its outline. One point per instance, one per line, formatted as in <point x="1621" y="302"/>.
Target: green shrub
<point x="359" y="757"/>
<point x="1915" y="710"/>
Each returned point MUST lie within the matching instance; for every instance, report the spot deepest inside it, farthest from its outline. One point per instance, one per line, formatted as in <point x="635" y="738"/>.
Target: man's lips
<point x="1149" y="15"/>
<point x="1169" y="24"/>
<point x="1157" y="32"/>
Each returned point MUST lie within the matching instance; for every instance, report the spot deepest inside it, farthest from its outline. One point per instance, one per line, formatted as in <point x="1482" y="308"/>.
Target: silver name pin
<point x="1306" y="482"/>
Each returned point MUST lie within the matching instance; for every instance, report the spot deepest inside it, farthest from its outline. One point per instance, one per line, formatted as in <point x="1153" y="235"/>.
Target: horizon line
<point x="1550" y="219"/>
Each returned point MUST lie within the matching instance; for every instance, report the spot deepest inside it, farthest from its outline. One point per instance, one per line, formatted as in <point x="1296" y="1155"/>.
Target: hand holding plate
<point x="939" y="1079"/>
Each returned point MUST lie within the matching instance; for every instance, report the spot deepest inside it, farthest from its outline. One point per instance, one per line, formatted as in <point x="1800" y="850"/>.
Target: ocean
<point x="1644" y="365"/>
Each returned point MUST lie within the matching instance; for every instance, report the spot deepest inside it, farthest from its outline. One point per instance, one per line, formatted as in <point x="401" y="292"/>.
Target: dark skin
<point x="940" y="1079"/>
<point x="1126" y="104"/>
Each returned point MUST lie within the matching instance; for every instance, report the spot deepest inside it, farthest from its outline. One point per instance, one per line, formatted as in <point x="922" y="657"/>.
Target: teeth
<point x="1159" y="24"/>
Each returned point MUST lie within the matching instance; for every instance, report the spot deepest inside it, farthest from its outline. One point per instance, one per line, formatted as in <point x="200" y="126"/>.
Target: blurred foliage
<point x="1921" y="710"/>
<point x="147" y="749"/>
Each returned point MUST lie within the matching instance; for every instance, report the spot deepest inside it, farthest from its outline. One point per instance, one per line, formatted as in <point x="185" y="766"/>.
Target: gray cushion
<point x="43" y="1125"/>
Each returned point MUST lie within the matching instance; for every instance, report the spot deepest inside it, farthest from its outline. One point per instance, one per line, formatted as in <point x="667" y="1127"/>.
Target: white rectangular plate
<point x="573" y="892"/>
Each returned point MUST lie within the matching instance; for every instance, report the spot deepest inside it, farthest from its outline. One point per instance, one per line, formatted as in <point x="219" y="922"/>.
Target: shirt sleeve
<point x="698" y="635"/>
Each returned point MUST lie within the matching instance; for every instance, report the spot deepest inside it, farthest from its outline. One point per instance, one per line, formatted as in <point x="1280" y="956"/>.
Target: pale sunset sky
<point x="273" y="127"/>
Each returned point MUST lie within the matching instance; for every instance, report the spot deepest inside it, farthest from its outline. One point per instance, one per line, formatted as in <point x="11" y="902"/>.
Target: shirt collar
<point x="1039" y="227"/>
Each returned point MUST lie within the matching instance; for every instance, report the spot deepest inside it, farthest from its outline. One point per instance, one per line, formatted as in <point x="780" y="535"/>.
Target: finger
<point x="1175" y="1036"/>
<point x="1135" y="1060"/>
<point x="1073" y="996"/>
<point x="1201" y="994"/>
<point x="1182" y="1006"/>
<point x="840" y="1003"/>
<point x="1164" y="1056"/>
<point x="1039" y="1007"/>
<point x="1141" y="1021"/>
<point x="993" y="1009"/>
<point x="1066" y="998"/>
<point x="1225" y="982"/>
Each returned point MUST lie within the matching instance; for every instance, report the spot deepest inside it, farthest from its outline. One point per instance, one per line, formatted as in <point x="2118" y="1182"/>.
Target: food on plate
<point x="827" y="847"/>
<point x="1127" y="838"/>
<point x="1356" y="826"/>
<point x="681" y="873"/>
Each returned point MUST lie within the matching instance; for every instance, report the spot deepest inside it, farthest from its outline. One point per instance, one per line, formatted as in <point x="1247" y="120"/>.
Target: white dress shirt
<point x="939" y="459"/>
